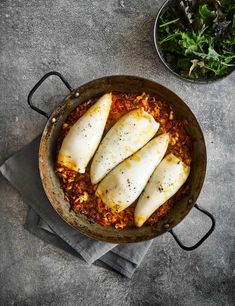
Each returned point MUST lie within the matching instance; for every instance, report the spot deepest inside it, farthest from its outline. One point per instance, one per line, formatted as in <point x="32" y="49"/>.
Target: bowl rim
<point x="159" y="52"/>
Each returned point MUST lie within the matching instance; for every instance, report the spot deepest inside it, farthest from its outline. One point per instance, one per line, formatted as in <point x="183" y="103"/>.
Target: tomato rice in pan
<point x="77" y="187"/>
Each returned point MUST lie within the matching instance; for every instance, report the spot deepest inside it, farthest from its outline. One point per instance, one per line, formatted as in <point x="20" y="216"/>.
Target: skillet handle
<point x="32" y="91"/>
<point x="186" y="248"/>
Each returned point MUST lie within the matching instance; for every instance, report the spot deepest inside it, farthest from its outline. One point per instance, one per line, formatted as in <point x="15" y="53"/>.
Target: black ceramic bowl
<point x="161" y="54"/>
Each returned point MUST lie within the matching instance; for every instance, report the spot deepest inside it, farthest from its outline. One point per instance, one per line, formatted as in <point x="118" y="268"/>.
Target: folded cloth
<point x="21" y="170"/>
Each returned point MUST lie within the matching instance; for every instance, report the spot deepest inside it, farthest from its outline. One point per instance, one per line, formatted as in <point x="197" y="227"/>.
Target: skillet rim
<point x="45" y="178"/>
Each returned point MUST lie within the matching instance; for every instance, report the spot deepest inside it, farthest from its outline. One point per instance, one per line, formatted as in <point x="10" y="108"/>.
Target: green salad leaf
<point x="197" y="37"/>
<point x="205" y="12"/>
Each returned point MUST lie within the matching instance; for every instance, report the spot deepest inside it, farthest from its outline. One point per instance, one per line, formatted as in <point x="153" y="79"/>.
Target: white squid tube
<point x="166" y="180"/>
<point x="82" y="140"/>
<point x="123" y="185"/>
<point x="129" y="134"/>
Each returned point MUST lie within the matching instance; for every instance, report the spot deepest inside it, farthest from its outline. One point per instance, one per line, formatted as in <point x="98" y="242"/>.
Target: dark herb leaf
<point x="221" y="30"/>
<point x="198" y="37"/>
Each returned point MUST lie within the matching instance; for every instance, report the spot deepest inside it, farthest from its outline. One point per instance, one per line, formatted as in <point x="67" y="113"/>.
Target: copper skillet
<point x="48" y="147"/>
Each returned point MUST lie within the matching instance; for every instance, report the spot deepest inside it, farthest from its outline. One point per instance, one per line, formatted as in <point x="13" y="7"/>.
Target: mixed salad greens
<point x="197" y="37"/>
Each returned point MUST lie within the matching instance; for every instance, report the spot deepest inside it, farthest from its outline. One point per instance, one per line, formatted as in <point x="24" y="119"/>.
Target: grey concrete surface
<point x="85" y="40"/>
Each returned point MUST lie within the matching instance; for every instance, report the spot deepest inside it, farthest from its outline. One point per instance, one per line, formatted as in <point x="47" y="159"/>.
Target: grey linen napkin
<point x="21" y="170"/>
